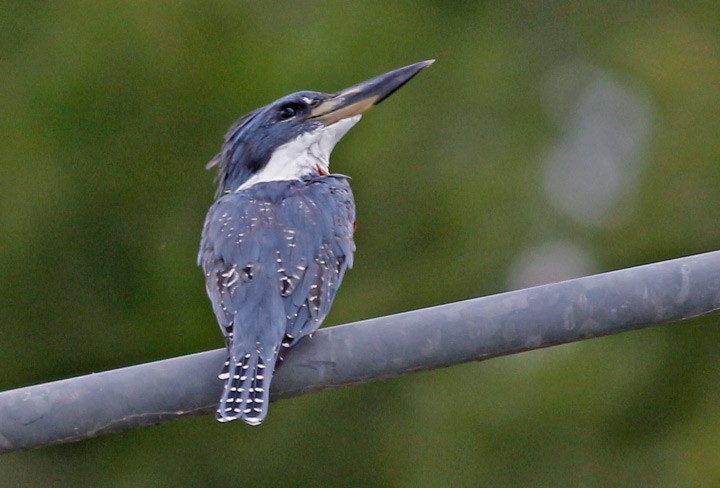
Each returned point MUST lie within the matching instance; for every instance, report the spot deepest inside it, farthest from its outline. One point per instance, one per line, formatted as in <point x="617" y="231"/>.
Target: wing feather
<point x="274" y="256"/>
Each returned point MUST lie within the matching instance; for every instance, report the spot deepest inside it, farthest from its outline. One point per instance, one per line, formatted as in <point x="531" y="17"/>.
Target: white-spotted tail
<point x="246" y="394"/>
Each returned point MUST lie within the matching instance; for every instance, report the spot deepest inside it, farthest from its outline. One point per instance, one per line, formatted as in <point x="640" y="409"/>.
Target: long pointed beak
<point x="359" y="98"/>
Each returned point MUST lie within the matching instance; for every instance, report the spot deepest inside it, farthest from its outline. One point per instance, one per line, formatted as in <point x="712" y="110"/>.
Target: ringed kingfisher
<point x="278" y="239"/>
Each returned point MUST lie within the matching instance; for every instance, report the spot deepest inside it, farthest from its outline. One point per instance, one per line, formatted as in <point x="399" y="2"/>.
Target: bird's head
<point x="294" y="136"/>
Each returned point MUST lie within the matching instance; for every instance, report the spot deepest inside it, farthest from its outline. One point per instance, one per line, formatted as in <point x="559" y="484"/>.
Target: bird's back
<point x="274" y="255"/>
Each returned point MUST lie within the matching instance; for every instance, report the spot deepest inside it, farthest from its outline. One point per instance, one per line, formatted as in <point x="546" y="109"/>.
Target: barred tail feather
<point x="247" y="389"/>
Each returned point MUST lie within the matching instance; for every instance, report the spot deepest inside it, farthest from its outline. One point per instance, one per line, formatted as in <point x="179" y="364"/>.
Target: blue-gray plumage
<point x="277" y="241"/>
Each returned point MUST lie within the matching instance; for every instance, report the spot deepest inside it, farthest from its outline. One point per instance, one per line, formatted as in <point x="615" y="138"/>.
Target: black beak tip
<point x="403" y="75"/>
<point x="424" y="64"/>
<point x="414" y="69"/>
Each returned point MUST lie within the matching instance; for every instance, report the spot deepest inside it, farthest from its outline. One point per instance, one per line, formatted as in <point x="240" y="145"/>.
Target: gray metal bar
<point x="472" y="330"/>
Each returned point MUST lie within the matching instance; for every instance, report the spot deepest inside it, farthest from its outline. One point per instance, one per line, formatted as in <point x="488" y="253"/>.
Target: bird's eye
<point x="287" y="112"/>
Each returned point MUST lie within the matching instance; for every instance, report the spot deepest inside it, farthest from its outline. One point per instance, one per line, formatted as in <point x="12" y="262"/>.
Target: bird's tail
<point x="247" y="389"/>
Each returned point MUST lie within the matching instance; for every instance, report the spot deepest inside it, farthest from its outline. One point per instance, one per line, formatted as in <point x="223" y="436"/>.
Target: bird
<point x="278" y="239"/>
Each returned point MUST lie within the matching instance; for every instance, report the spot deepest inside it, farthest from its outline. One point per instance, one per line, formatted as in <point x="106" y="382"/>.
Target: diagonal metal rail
<point x="471" y="330"/>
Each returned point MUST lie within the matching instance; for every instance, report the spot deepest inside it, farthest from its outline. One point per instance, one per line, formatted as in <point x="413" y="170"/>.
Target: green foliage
<point x="110" y="111"/>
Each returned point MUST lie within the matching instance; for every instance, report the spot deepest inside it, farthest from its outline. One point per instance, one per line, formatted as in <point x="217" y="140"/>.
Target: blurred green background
<point x="550" y="140"/>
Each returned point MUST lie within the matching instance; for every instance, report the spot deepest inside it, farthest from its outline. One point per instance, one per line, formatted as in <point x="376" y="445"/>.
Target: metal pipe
<point x="471" y="330"/>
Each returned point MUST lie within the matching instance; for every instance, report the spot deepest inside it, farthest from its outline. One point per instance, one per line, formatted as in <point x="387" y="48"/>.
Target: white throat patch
<point x="303" y="155"/>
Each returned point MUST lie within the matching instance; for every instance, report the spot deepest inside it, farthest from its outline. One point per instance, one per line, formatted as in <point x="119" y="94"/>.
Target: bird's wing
<point x="310" y="295"/>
